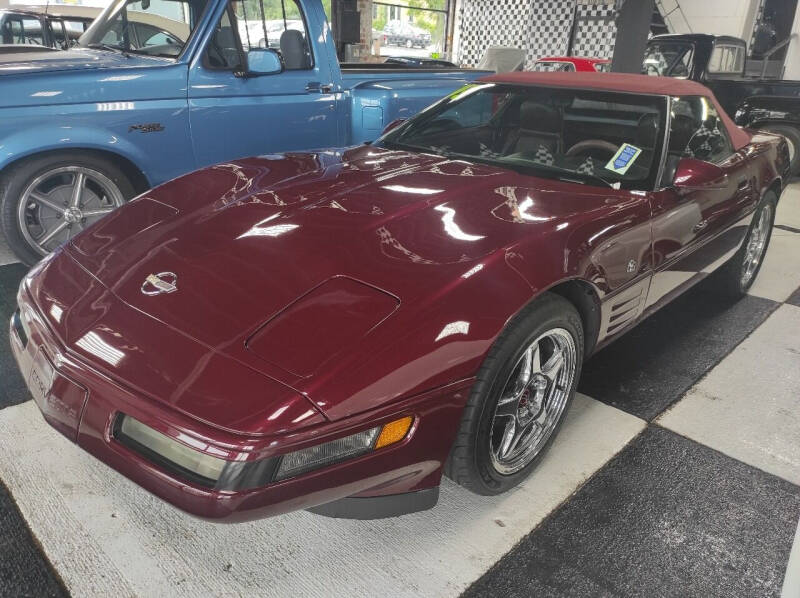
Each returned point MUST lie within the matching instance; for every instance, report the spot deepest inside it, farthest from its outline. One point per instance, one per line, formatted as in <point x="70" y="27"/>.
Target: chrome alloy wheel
<point x="756" y="244"/>
<point x="532" y="401"/>
<point x="63" y="201"/>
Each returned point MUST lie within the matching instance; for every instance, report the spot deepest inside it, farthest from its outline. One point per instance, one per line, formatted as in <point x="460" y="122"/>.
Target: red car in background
<point x="569" y="64"/>
<point x="335" y="331"/>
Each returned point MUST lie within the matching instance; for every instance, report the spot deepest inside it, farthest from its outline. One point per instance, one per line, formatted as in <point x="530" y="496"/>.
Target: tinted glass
<point x="667" y="59"/>
<point x="696" y="130"/>
<point x="726" y="59"/>
<point x="579" y="135"/>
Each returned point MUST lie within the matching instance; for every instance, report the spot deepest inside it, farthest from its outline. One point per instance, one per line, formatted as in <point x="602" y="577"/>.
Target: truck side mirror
<point x="393" y="125"/>
<point x="262" y="61"/>
<point x="697" y="175"/>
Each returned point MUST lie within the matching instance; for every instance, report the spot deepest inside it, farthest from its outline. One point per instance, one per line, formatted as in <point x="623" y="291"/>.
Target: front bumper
<point x="84" y="404"/>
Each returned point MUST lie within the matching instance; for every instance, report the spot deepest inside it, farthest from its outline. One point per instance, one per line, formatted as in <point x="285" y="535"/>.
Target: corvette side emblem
<point x="163" y="282"/>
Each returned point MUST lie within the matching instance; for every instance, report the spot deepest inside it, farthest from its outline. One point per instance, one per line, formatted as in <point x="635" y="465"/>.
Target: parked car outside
<point x="571" y="64"/>
<point x="403" y="33"/>
<point x="720" y="62"/>
<point x="86" y="129"/>
<point x="336" y="330"/>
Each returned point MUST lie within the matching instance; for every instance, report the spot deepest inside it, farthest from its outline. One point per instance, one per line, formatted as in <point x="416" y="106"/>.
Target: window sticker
<point x="626" y="155"/>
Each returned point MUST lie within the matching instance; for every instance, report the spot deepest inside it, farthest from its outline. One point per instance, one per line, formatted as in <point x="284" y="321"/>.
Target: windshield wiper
<point x="109" y="48"/>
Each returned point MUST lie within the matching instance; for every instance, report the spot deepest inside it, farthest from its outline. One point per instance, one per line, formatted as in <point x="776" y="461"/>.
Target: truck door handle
<point x="317" y="87"/>
<point x="700" y="226"/>
<point x="744" y="184"/>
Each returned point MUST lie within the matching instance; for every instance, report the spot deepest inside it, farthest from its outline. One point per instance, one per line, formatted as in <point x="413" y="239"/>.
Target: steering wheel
<point x="592" y="147"/>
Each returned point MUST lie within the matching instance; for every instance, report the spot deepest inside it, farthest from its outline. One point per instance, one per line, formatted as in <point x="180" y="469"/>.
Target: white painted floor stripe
<point x="748" y="406"/>
<point x="106" y="536"/>
<point x="791" y="584"/>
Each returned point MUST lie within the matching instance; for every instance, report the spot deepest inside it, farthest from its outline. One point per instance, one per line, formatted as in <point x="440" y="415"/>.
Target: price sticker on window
<point x="626" y="155"/>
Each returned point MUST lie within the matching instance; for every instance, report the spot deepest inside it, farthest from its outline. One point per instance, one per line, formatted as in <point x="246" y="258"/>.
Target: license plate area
<point x="60" y="400"/>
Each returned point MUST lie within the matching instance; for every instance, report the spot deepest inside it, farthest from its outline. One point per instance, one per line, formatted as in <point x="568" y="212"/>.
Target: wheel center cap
<point x="539" y="382"/>
<point x="73" y="215"/>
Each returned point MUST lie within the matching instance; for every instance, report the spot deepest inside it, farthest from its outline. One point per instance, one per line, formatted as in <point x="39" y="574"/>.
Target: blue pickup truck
<point x="84" y="130"/>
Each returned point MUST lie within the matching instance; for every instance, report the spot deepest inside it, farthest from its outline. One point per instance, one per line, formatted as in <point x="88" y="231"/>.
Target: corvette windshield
<point x="587" y="136"/>
<point x="152" y="27"/>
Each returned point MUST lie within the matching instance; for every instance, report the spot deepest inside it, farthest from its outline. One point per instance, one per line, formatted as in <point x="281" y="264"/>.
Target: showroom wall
<point x="720" y="17"/>
<point x="542" y="27"/>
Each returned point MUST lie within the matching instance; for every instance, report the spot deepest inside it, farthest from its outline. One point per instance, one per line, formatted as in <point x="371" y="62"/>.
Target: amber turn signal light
<point x="394" y="431"/>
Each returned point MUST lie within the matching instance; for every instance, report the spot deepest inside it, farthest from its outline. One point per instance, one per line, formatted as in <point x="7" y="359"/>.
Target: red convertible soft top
<point x="667" y="86"/>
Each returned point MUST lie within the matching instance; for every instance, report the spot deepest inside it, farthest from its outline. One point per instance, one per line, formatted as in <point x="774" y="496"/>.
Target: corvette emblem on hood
<point x="163" y="282"/>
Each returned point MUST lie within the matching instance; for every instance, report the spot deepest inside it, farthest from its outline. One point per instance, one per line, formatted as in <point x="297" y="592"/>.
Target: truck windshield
<point x="153" y="27"/>
<point x="586" y="136"/>
<point x="667" y="59"/>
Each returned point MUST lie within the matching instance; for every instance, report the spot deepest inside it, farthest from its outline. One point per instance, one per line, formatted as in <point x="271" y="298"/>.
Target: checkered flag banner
<point x="542" y="28"/>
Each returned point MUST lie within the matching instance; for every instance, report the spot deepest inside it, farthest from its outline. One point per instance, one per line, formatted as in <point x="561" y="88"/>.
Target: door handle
<point x="317" y="87"/>
<point x="744" y="184"/>
<point x="700" y="225"/>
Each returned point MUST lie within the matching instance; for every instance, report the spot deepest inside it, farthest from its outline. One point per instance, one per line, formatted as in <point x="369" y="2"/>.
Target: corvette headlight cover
<point x="205" y="467"/>
<point x="220" y="474"/>
<point x="341" y="449"/>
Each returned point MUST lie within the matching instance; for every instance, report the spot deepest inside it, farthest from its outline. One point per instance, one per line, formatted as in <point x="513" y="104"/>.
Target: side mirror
<point x="696" y="175"/>
<point x="262" y="61"/>
<point x="393" y="125"/>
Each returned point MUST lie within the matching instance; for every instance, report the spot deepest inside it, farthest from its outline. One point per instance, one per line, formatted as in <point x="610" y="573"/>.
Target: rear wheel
<point x="792" y="135"/>
<point x="520" y="397"/>
<point x="47" y="200"/>
<point x="737" y="276"/>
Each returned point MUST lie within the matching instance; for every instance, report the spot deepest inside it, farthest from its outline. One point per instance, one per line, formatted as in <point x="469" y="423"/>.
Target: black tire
<point x="792" y="135"/>
<point x="470" y="463"/>
<point x="729" y="278"/>
<point x="15" y="179"/>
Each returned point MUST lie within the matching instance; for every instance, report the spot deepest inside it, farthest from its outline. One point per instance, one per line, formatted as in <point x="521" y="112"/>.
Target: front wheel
<point x="46" y="200"/>
<point x="520" y="397"/>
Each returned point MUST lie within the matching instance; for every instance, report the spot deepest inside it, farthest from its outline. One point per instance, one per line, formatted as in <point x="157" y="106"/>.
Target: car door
<point x="233" y="115"/>
<point x="694" y="230"/>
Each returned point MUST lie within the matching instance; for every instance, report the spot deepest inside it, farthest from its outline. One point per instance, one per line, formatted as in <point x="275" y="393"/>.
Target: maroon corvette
<point x="335" y="331"/>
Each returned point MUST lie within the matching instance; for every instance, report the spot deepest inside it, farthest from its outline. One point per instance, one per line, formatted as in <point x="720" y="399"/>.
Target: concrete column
<point x="792" y="65"/>
<point x="633" y="27"/>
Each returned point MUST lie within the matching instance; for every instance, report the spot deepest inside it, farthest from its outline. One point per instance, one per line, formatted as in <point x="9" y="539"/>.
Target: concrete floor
<point x="677" y="473"/>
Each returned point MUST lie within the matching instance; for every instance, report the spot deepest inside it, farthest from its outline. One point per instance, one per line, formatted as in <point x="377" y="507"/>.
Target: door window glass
<point x="696" y="130"/>
<point x="275" y="24"/>
<point x="726" y="59"/>
<point x="551" y="65"/>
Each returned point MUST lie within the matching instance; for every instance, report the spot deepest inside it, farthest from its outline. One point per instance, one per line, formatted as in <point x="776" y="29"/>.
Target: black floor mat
<point x="666" y="517"/>
<point x="652" y="366"/>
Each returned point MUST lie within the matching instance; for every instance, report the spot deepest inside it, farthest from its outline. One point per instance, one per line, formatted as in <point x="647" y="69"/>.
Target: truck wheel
<point x="792" y="135"/>
<point x="46" y="200"/>
<point x="520" y="397"/>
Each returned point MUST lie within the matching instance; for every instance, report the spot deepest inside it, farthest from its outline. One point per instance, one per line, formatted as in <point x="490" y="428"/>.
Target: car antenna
<point x="46" y="7"/>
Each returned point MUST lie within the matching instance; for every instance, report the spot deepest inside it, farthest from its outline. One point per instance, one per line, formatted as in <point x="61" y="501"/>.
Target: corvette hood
<point x="243" y="242"/>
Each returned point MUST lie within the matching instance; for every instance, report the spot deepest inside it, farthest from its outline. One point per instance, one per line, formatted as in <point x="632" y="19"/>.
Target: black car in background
<point x="23" y="27"/>
<point x="402" y="33"/>
<point x="721" y="63"/>
<point x="35" y="28"/>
